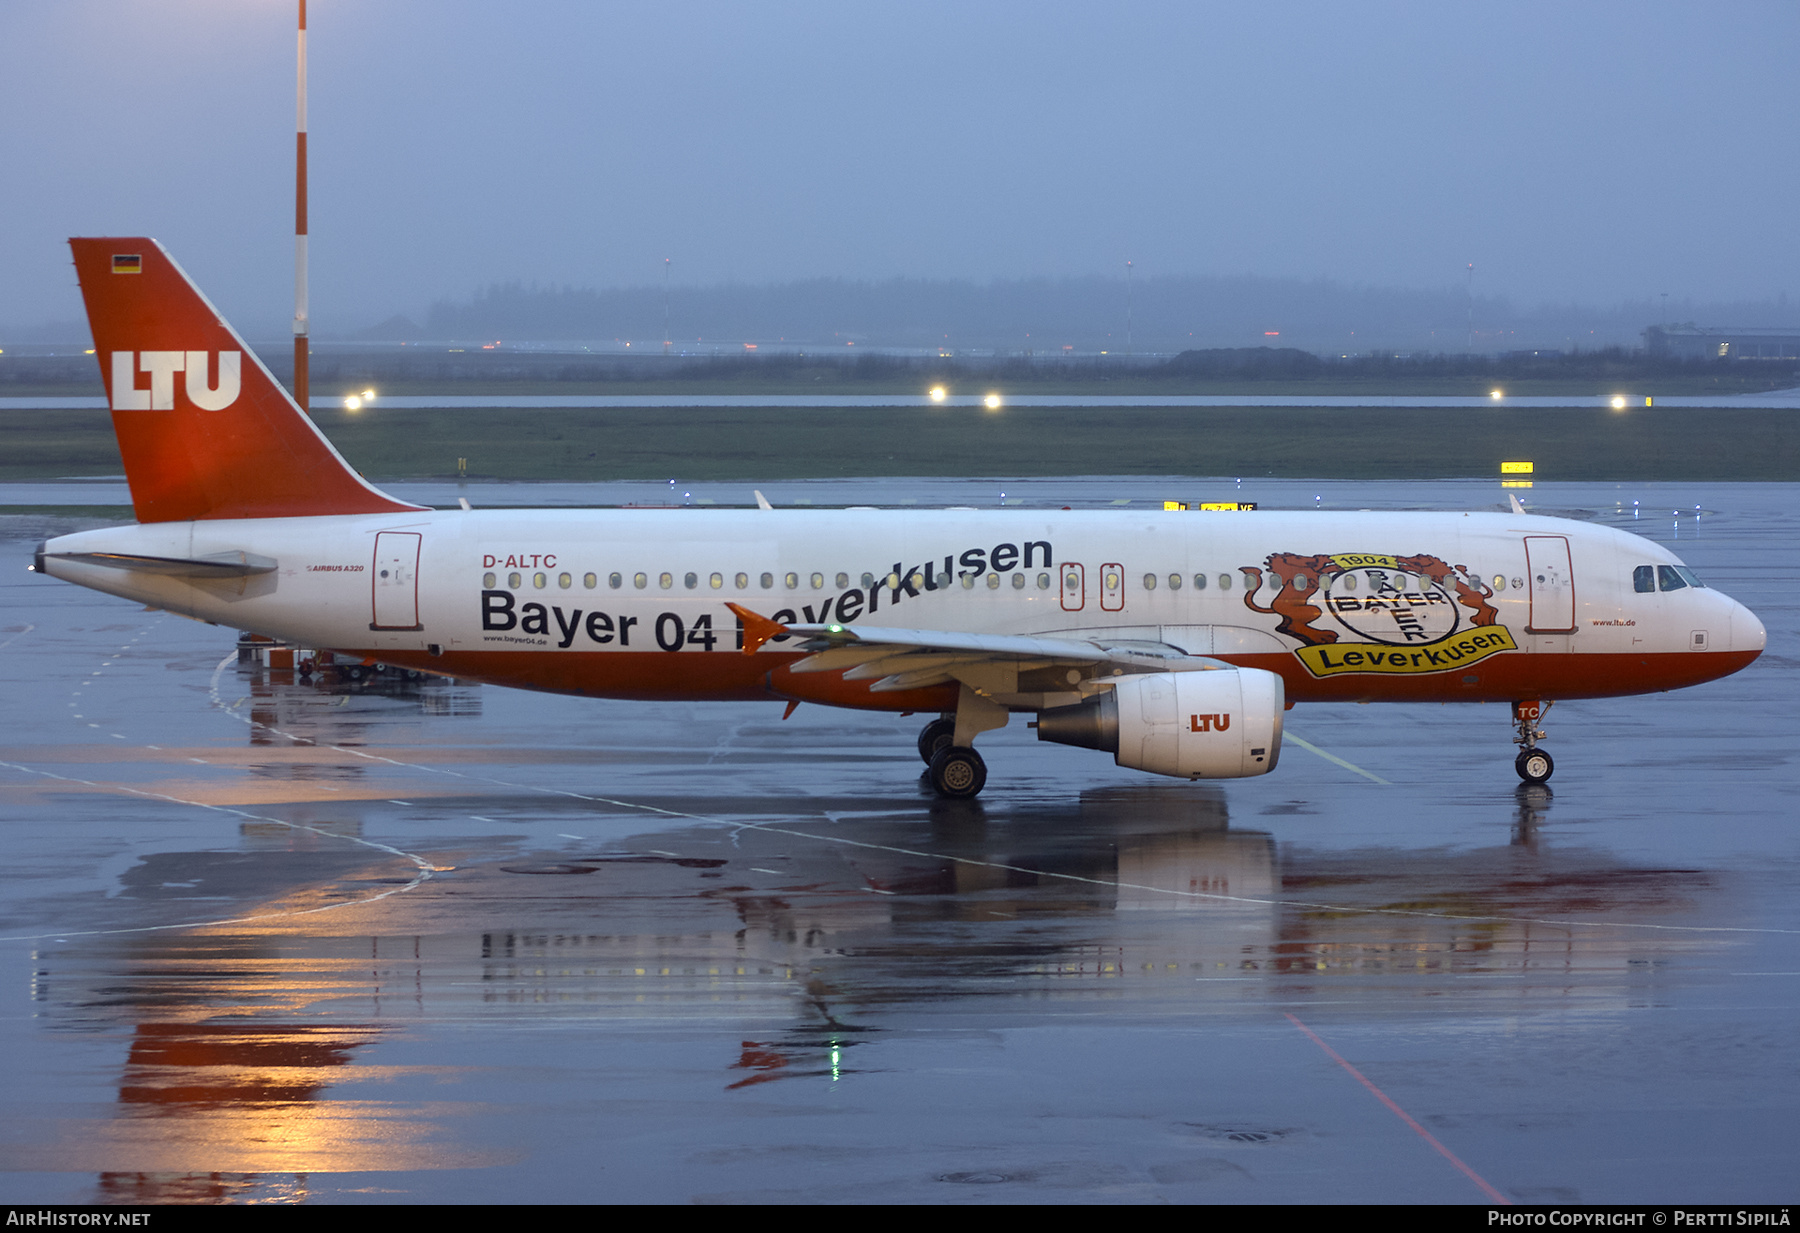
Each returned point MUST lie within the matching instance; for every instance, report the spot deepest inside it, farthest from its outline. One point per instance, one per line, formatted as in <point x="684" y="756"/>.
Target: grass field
<point x="1655" y="443"/>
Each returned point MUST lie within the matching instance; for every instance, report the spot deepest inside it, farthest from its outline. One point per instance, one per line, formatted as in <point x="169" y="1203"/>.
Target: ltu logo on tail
<point x="196" y="367"/>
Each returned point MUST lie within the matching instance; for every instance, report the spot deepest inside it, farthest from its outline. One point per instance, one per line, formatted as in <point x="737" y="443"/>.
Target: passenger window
<point x="1174" y="582"/>
<point x="614" y="581"/>
<point x="487" y="581"/>
<point x="1018" y="582"/>
<point x="690" y="580"/>
<point x="843" y="580"/>
<point x="742" y="582"/>
<point x="665" y="581"/>
<point x="818" y="582"/>
<point x="590" y="581"/>
<point x="792" y="581"/>
<point x="1643" y="579"/>
<point x="767" y="580"/>
<point x="1670" y="578"/>
<point x="513" y="581"/>
<point x="639" y="581"/>
<point x="868" y="580"/>
<point x="1043" y="582"/>
<point x="1224" y="582"/>
<point x="993" y="582"/>
<point x="564" y="581"/>
<point x="1199" y="582"/>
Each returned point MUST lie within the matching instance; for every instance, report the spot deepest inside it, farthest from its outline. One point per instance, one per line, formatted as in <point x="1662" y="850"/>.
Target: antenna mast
<point x="302" y="346"/>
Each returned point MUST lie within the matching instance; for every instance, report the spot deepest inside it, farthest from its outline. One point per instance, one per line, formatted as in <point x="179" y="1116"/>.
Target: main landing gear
<point x="1533" y="764"/>
<point x="955" y="771"/>
<point x="947" y="745"/>
<point x="940" y="733"/>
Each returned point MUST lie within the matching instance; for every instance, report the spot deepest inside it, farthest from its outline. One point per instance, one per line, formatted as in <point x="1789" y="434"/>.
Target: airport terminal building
<point x="1695" y="342"/>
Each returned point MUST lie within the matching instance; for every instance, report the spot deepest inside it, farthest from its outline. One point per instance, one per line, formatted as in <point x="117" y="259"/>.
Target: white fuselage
<point x="1368" y="605"/>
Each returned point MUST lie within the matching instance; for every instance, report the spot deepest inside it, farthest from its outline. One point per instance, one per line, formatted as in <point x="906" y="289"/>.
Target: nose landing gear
<point x="1534" y="765"/>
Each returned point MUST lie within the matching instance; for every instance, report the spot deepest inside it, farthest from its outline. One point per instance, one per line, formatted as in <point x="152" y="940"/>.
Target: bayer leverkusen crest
<point x="1369" y="612"/>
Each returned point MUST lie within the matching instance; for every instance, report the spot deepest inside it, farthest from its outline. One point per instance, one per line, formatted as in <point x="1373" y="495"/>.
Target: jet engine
<point x="1223" y="724"/>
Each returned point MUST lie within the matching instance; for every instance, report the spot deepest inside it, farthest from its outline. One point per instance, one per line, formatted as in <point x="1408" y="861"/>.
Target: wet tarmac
<point x="1788" y="398"/>
<point x="275" y="940"/>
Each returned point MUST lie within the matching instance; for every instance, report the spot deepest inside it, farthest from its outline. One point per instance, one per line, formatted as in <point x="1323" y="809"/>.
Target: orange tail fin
<point x="205" y="429"/>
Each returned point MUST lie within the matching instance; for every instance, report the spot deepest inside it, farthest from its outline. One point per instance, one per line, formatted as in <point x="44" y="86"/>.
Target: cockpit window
<point x="1675" y="577"/>
<point x="1643" y="579"/>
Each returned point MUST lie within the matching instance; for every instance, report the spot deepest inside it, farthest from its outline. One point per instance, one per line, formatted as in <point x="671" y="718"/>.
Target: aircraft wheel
<point x="355" y="672"/>
<point x="1534" y="765"/>
<point x="957" y="772"/>
<point x="935" y="736"/>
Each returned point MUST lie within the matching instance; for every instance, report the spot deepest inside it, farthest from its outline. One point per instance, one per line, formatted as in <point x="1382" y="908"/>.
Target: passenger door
<point x="396" y="580"/>
<point x="1550" y="576"/>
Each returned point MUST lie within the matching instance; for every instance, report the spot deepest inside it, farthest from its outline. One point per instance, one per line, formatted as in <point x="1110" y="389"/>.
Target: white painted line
<point x="1349" y="766"/>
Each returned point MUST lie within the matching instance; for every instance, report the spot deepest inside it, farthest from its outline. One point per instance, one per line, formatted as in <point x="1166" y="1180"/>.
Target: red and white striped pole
<point x="302" y="382"/>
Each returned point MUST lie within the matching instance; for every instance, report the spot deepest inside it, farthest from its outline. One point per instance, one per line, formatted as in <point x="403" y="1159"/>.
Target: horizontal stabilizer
<point x="214" y="565"/>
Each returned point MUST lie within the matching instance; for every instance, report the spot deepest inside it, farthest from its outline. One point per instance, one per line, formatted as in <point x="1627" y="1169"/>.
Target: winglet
<point x="1516" y="507"/>
<point x="762" y="502"/>
<point x="758" y="628"/>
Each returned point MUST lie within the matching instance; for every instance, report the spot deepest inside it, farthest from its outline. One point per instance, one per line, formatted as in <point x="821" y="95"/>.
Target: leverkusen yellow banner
<point x="1457" y="651"/>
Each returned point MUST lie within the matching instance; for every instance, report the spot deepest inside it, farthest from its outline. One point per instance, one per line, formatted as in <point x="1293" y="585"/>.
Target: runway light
<point x="1497" y="394"/>
<point x="353" y="403"/>
<point x="1618" y="402"/>
<point x="368" y="395"/>
<point x="938" y="393"/>
<point x="992" y="402"/>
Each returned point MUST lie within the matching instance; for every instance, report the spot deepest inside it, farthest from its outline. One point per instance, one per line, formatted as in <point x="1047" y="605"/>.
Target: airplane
<point x="1175" y="642"/>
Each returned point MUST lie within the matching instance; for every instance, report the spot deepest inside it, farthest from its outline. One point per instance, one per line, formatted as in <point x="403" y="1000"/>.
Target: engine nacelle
<point x="1195" y="725"/>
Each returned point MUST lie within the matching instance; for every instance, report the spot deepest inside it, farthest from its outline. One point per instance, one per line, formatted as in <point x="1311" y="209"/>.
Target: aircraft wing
<point x="897" y="659"/>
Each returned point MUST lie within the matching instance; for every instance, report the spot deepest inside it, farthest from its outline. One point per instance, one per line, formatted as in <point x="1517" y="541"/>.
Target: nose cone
<point x="1747" y="633"/>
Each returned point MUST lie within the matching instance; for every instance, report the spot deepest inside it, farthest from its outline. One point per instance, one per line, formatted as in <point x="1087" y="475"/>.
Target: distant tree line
<point x="1040" y="315"/>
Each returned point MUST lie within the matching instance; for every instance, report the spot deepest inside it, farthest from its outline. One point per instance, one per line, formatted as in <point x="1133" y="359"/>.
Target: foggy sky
<point x="1590" y="153"/>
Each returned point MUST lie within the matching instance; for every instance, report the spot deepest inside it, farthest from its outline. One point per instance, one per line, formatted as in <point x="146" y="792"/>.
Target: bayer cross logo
<point x="1390" y="607"/>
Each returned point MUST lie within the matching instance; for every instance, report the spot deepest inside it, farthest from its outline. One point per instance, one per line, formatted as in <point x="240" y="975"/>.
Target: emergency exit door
<point x="396" y="580"/>
<point x="1112" y="587"/>
<point x="1074" y="587"/>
